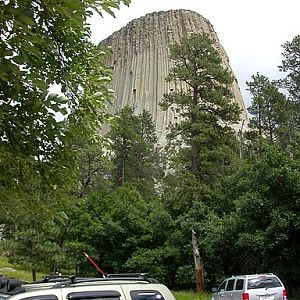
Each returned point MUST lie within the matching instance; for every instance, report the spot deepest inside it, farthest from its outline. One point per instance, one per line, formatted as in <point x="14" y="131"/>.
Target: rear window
<point x="94" y="295"/>
<point x="263" y="282"/>
<point x="146" y="295"/>
<point x="239" y="286"/>
<point x="41" y="297"/>
<point x="230" y="285"/>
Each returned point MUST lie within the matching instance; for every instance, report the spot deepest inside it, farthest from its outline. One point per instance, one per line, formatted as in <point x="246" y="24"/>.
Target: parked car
<point x="112" y="287"/>
<point x="251" y="287"/>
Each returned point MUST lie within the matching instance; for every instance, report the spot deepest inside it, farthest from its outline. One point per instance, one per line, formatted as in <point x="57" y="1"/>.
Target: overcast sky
<point x="251" y="32"/>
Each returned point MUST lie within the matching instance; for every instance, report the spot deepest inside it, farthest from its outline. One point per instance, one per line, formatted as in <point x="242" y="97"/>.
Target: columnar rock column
<point x="140" y="62"/>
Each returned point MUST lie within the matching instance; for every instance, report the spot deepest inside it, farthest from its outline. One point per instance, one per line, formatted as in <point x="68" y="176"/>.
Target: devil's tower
<point x="140" y="61"/>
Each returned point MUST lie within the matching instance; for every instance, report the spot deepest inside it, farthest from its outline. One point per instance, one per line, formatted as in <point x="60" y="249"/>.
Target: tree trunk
<point x="200" y="286"/>
<point x="16" y="232"/>
<point x="122" y="173"/>
<point x="64" y="234"/>
<point x="194" y="133"/>
<point x="194" y="158"/>
<point x="33" y="274"/>
<point x="241" y="141"/>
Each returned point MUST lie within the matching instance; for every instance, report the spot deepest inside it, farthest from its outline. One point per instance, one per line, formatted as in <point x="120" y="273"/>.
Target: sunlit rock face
<point x="140" y="62"/>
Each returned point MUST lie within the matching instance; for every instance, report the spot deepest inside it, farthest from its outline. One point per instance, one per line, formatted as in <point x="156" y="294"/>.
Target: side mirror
<point x="214" y="290"/>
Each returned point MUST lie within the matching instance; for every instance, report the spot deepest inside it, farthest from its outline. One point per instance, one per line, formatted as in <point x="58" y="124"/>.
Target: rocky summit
<point x="141" y="62"/>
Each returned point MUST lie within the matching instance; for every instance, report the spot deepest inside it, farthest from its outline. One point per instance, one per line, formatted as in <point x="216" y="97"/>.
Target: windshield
<point x="263" y="282"/>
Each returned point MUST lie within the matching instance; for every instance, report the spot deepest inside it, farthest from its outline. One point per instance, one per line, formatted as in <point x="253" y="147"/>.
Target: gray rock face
<point x="140" y="62"/>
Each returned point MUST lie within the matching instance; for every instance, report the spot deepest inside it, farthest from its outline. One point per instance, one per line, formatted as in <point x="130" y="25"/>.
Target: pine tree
<point x="291" y="65"/>
<point x="203" y="140"/>
<point x="270" y="110"/>
<point x="136" y="155"/>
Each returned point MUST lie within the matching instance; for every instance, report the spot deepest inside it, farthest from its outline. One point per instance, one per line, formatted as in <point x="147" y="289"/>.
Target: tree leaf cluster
<point x="45" y="43"/>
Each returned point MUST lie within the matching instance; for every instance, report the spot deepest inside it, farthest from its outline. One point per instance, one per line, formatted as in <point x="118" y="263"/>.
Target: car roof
<point x="10" y="287"/>
<point x="253" y="275"/>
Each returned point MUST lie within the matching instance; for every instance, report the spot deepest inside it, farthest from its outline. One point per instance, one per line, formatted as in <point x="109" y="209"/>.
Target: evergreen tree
<point x="202" y="144"/>
<point x="203" y="140"/>
<point x="291" y="65"/>
<point x="94" y="166"/>
<point x="135" y="152"/>
<point x="270" y="110"/>
<point x="263" y="226"/>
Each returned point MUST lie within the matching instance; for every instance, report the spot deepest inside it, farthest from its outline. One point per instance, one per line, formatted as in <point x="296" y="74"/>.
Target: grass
<point x="189" y="295"/>
<point x="14" y="271"/>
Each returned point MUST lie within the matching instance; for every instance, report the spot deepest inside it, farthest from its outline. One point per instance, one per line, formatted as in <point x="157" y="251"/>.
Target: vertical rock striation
<point x="140" y="62"/>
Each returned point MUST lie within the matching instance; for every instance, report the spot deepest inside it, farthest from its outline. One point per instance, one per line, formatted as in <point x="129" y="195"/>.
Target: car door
<point x="220" y="294"/>
<point x="147" y="292"/>
<point x="239" y="288"/>
<point x="229" y="290"/>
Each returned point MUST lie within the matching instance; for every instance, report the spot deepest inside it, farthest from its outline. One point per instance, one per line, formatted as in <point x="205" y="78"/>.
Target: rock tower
<point x="140" y="62"/>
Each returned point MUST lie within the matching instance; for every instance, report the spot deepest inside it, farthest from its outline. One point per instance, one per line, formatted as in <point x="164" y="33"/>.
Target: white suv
<point x="251" y="287"/>
<point x="117" y="287"/>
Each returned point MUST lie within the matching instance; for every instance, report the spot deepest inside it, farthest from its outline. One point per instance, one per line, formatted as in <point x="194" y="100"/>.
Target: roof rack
<point x="141" y="276"/>
<point x="54" y="278"/>
<point x="11" y="286"/>
<point x="108" y="277"/>
<point x="257" y="274"/>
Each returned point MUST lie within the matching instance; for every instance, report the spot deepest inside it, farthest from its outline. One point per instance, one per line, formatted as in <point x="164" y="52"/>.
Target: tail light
<point x="284" y="294"/>
<point x="245" y="296"/>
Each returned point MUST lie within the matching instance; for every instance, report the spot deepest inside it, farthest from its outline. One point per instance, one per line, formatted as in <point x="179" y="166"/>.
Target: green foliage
<point x="44" y="43"/>
<point x="265" y="195"/>
<point x="65" y="190"/>
<point x="202" y="148"/>
<point x="203" y="138"/>
<point x="118" y="226"/>
<point x="183" y="191"/>
<point x="135" y="152"/>
<point x="94" y="166"/>
<point x="15" y="271"/>
<point x="291" y="65"/>
<point x="291" y="82"/>
<point x="34" y="223"/>
<point x="271" y="111"/>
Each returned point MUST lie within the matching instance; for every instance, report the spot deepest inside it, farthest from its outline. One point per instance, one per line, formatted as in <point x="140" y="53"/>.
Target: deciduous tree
<point x="44" y="43"/>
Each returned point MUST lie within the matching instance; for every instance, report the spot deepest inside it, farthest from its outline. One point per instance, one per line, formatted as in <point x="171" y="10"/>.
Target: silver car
<point x="251" y="287"/>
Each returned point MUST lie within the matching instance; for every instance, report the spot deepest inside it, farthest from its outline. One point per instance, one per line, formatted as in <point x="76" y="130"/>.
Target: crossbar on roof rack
<point x="109" y="277"/>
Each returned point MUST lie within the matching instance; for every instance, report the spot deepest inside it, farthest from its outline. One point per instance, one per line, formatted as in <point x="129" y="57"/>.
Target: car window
<point x="239" y="286"/>
<point x="95" y="295"/>
<point x="222" y="287"/>
<point x="230" y="285"/>
<point x="263" y="282"/>
<point x="146" y="295"/>
<point x="41" y="297"/>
